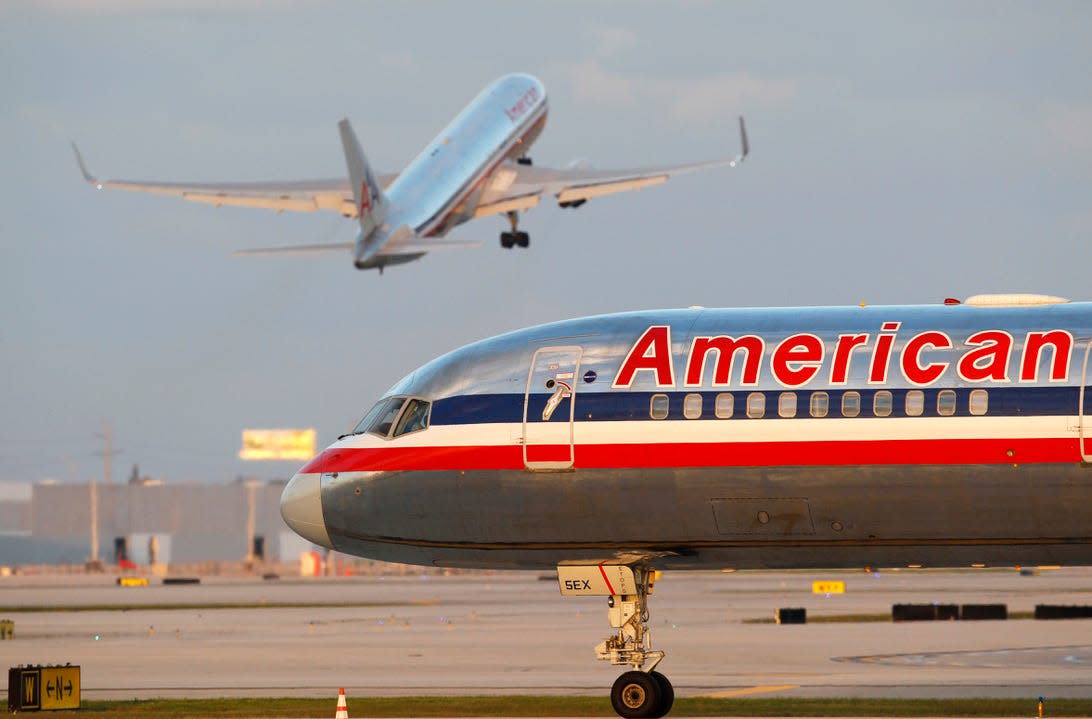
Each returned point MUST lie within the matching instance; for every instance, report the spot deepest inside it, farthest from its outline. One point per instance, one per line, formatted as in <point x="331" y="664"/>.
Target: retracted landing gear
<point x="641" y="693"/>
<point x="514" y="238"/>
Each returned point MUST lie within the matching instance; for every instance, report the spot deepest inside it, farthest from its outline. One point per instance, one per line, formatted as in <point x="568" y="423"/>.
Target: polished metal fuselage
<point x="782" y="490"/>
<point x="443" y="185"/>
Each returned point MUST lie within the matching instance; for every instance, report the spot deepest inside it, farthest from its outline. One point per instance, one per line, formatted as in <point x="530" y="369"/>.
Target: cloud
<point x="595" y="84"/>
<point x="612" y="41"/>
<point x="1071" y="125"/>
<point x="701" y="100"/>
<point x="715" y="97"/>
<point x="106" y="6"/>
<point x="399" y="60"/>
<point x="44" y="117"/>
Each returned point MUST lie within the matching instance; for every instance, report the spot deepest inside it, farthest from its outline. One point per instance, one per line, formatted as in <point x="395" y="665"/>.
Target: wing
<point x="516" y="187"/>
<point x="333" y="194"/>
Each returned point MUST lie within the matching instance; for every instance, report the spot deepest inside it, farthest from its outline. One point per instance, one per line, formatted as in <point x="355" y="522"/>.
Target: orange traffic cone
<point x="342" y="707"/>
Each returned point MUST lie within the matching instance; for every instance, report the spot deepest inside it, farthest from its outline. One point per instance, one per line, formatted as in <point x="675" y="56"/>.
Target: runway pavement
<point x="513" y="633"/>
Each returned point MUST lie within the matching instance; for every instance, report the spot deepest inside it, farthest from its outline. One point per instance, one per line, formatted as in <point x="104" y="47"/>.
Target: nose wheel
<point x="642" y="692"/>
<point x="642" y="695"/>
<point x="515" y="238"/>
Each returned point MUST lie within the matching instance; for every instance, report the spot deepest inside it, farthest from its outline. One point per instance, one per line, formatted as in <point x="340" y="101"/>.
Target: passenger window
<point x="724" y="406"/>
<point x="882" y="403"/>
<point x="691" y="406"/>
<point x="980" y="402"/>
<point x="658" y="406"/>
<point x="851" y="404"/>
<point x="915" y="403"/>
<point x="819" y="404"/>
<point x="414" y="417"/>
<point x="786" y="404"/>
<point x="946" y="402"/>
<point x="756" y="405"/>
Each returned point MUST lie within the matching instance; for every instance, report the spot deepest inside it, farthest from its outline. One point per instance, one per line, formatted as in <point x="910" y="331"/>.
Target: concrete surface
<point x="513" y="633"/>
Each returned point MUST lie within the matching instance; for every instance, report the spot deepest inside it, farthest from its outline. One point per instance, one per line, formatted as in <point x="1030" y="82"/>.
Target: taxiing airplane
<point x="478" y="165"/>
<point x="612" y="447"/>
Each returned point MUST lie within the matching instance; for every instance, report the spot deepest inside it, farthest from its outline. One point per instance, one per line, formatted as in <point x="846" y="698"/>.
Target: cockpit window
<point x="414" y="417"/>
<point x="403" y="414"/>
<point x="380" y="417"/>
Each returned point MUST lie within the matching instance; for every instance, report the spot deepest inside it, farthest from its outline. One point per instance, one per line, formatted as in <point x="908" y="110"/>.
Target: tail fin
<point x="371" y="203"/>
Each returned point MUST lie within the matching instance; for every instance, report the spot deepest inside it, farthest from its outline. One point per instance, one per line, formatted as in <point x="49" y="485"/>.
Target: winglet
<point x="743" y="139"/>
<point x="91" y="179"/>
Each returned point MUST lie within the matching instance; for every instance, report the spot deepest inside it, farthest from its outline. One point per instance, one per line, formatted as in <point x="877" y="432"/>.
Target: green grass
<point x="209" y="606"/>
<point x="569" y="706"/>
<point x="863" y="618"/>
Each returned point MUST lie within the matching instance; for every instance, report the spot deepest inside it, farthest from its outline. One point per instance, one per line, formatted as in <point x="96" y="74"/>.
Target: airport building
<point x="146" y="521"/>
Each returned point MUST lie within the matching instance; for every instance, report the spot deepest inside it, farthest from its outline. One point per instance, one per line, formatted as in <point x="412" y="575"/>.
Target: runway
<point x="513" y="633"/>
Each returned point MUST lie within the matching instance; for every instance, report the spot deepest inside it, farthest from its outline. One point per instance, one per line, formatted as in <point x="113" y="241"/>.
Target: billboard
<point x="278" y="444"/>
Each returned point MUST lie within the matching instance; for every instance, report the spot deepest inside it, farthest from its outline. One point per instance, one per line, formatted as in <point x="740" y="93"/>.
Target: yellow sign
<point x="60" y="688"/>
<point x="278" y="444"/>
<point x="828" y="586"/>
<point x="132" y="581"/>
<point x="31" y="688"/>
<point x="44" y="688"/>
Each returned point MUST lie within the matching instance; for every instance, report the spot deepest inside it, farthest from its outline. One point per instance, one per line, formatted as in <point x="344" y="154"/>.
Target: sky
<point x="901" y="153"/>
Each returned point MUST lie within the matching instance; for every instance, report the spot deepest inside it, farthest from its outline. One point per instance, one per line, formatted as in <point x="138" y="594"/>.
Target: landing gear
<point x="508" y="240"/>
<point x="642" y="692"/>
<point x="515" y="238"/>
<point x="525" y="160"/>
<point x="642" y="695"/>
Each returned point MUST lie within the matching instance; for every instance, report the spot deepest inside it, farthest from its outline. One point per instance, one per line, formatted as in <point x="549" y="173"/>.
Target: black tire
<point x="667" y="694"/>
<point x="523" y="239"/>
<point x="507" y="240"/>
<point x="636" y="695"/>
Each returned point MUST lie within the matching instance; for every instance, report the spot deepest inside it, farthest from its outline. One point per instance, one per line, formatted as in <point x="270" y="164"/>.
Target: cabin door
<point x="549" y="406"/>
<point x="1084" y="408"/>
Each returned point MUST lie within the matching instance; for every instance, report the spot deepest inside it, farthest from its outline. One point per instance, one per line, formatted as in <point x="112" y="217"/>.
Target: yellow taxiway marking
<point x="749" y="691"/>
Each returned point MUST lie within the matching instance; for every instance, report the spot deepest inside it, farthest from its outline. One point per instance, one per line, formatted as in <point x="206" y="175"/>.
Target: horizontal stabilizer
<point x="429" y="246"/>
<point x="294" y="249"/>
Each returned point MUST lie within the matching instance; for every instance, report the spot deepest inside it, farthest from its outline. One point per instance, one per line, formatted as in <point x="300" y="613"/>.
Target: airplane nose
<point x="301" y="508"/>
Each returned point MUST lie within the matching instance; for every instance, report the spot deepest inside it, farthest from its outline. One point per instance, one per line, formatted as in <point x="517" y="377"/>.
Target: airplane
<point x="614" y="447"/>
<point x="478" y="165"/>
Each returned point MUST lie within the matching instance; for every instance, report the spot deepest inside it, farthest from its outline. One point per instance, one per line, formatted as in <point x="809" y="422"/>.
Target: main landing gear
<point x="514" y="238"/>
<point x="640" y="693"/>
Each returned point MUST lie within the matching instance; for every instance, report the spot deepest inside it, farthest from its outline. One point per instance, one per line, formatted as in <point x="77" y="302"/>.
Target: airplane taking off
<point x="478" y="165"/>
<point x="612" y="447"/>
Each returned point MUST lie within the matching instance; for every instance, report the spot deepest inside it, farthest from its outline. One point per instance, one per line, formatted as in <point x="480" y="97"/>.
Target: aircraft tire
<point x="667" y="694"/>
<point x="636" y="695"/>
<point x="523" y="239"/>
<point x="507" y="240"/>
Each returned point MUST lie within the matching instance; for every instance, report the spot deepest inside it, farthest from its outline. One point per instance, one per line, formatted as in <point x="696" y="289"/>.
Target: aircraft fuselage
<point x="742" y="438"/>
<point x="445" y="183"/>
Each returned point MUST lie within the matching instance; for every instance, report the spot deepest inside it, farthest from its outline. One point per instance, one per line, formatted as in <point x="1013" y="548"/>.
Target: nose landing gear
<point x="639" y="693"/>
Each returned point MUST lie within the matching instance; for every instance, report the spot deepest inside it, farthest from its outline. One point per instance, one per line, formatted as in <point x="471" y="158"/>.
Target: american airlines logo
<point x="985" y="356"/>
<point x="517" y="110"/>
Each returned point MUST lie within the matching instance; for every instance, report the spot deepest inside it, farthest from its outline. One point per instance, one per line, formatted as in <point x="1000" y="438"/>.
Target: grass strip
<point x="570" y="706"/>
<point x="210" y="606"/>
<point x="866" y="618"/>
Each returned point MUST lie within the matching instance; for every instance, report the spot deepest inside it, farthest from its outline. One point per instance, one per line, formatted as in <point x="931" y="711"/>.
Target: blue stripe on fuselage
<point x="620" y="406"/>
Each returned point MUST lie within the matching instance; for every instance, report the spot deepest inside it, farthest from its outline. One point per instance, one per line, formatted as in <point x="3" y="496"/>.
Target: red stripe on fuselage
<point x="719" y="454"/>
